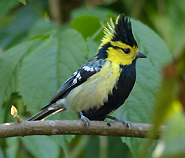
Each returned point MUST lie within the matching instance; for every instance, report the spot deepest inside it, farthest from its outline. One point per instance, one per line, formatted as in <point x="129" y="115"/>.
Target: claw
<point x="125" y="122"/>
<point x="85" y="119"/>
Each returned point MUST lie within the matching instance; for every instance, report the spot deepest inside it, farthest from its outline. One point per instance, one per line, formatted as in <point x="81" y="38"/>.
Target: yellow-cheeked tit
<point x="102" y="84"/>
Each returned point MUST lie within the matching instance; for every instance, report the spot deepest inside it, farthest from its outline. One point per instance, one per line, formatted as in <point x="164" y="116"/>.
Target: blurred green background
<point x="40" y="20"/>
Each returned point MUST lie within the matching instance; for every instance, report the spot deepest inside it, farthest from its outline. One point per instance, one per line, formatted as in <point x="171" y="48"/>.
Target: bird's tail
<point x="45" y="112"/>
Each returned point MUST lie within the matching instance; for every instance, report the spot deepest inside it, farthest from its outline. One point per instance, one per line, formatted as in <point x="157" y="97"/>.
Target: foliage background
<point x="32" y="38"/>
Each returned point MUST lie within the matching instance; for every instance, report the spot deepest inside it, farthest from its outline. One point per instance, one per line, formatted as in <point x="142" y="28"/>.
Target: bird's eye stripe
<point x="126" y="50"/>
<point x="116" y="47"/>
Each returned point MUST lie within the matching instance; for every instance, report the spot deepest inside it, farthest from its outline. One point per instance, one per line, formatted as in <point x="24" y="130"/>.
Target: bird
<point x="104" y="82"/>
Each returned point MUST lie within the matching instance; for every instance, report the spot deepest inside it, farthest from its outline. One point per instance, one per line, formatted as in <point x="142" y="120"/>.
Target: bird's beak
<point x="140" y="55"/>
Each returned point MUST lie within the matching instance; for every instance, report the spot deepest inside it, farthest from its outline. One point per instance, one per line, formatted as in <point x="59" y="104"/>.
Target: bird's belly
<point x="119" y="94"/>
<point x="94" y="92"/>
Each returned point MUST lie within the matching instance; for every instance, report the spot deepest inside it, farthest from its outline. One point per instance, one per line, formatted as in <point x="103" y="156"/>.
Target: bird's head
<point x="119" y="42"/>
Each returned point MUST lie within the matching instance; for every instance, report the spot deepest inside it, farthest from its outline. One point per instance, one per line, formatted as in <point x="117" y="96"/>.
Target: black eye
<point x="126" y="50"/>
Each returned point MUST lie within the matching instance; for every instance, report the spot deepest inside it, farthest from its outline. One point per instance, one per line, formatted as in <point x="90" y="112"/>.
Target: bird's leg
<point x="84" y="119"/>
<point x="125" y="122"/>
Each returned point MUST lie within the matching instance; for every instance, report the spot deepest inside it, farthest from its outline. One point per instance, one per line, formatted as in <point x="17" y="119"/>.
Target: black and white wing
<point x="78" y="77"/>
<point x="87" y="70"/>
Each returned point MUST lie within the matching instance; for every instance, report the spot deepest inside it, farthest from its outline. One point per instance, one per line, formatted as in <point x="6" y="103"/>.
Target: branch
<point x="75" y="127"/>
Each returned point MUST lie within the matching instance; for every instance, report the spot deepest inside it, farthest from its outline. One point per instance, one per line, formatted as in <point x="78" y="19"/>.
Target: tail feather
<point x="44" y="113"/>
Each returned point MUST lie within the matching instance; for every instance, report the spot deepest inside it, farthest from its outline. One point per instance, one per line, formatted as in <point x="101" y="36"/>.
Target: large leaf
<point x="101" y="13"/>
<point x="41" y="146"/>
<point x="16" y="31"/>
<point x="5" y="6"/>
<point x="63" y="141"/>
<point x="87" y="25"/>
<point x="12" y="147"/>
<point x="92" y="47"/>
<point x="140" y="104"/>
<point x="48" y="66"/>
<point x="9" y="67"/>
<point x="40" y="27"/>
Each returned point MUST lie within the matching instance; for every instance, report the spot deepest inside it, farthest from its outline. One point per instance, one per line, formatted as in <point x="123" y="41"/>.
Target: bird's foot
<point x="125" y="122"/>
<point x="85" y="119"/>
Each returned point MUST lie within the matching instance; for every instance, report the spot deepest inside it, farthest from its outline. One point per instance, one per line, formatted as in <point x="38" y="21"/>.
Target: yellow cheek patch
<point x="117" y="55"/>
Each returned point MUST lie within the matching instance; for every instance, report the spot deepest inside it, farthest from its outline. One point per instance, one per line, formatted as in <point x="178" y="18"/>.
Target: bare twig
<point x="76" y="127"/>
<point x="55" y="11"/>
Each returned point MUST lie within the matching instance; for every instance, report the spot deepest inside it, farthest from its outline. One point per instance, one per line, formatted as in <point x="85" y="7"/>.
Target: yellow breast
<point x="94" y="92"/>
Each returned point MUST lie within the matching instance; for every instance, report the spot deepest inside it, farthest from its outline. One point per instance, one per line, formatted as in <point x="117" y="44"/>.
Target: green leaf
<point x="48" y="67"/>
<point x="16" y="31"/>
<point x="92" y="47"/>
<point x="5" y="6"/>
<point x="119" y="148"/>
<point x="41" y="146"/>
<point x="139" y="105"/>
<point x="23" y="1"/>
<point x="10" y="62"/>
<point x="40" y="27"/>
<point x="87" y="25"/>
<point x="173" y="139"/>
<point x="2" y="114"/>
<point x="63" y="141"/>
<point x="100" y="13"/>
<point x="12" y="147"/>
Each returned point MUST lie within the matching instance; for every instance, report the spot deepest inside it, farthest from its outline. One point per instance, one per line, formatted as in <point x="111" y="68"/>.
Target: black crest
<point x="123" y="31"/>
